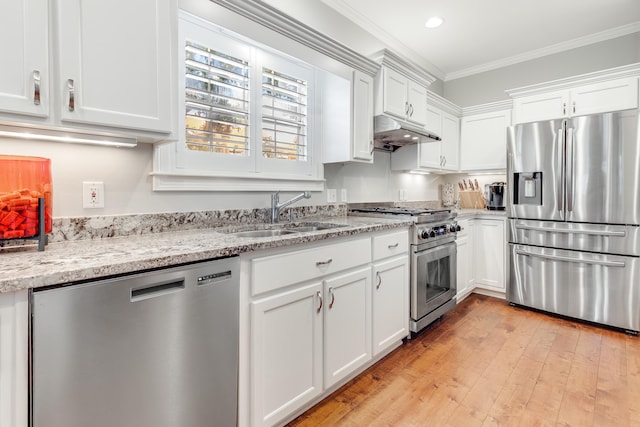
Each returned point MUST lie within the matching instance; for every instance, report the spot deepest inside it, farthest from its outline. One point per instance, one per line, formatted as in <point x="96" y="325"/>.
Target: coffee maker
<point x="495" y="196"/>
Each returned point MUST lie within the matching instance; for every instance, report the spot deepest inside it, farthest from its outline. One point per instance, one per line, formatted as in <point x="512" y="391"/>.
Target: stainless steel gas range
<point x="433" y="258"/>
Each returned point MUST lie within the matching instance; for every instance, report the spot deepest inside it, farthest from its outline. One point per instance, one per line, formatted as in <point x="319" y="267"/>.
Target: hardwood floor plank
<point x="489" y="364"/>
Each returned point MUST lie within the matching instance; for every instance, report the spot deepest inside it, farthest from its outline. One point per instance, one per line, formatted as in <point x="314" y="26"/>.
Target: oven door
<point x="433" y="278"/>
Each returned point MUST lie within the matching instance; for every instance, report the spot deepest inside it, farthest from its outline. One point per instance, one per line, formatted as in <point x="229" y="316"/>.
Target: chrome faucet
<point x="276" y="206"/>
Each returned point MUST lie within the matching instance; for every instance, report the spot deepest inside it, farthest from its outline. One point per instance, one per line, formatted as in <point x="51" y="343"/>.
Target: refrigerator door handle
<point x="571" y="259"/>
<point x="570" y="169"/>
<point x="560" y="167"/>
<point x="571" y="231"/>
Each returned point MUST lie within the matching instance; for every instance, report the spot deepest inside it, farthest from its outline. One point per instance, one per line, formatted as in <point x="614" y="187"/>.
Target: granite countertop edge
<point x="480" y="213"/>
<point x="82" y="260"/>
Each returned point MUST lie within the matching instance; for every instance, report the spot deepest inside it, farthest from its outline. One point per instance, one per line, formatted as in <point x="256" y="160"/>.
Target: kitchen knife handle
<point x="319" y="295"/>
<point x="72" y="95"/>
<point x="36" y="87"/>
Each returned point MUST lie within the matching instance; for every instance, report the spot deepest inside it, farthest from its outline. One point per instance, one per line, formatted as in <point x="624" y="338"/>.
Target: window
<point x="247" y="114"/>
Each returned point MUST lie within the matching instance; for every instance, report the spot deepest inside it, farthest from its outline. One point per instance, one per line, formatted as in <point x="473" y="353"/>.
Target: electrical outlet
<point x="343" y="195"/>
<point x="332" y="196"/>
<point x="93" y="195"/>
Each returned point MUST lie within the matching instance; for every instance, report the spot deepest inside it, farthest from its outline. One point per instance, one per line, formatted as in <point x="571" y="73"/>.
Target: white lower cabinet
<point x="347" y="324"/>
<point x="489" y="261"/>
<point x="317" y="318"/>
<point x="14" y="385"/>
<point x="390" y="302"/>
<point x="465" y="257"/>
<point x="286" y="350"/>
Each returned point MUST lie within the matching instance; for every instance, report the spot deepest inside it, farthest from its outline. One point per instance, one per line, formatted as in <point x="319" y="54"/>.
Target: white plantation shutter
<point x="284" y="116"/>
<point x="216" y="101"/>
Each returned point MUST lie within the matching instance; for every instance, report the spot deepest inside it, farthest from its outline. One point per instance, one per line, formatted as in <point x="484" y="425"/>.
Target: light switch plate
<point x="332" y="196"/>
<point x="343" y="195"/>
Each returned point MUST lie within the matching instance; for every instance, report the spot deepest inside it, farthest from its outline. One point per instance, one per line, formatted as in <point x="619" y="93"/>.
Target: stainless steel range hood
<point x="391" y="134"/>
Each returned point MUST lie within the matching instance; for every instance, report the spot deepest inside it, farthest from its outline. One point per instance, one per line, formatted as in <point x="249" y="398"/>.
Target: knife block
<point x="471" y="199"/>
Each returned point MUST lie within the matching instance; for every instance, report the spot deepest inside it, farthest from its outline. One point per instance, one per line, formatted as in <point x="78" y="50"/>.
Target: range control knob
<point x="432" y="233"/>
<point x="453" y="228"/>
<point x="424" y="234"/>
<point x="458" y="228"/>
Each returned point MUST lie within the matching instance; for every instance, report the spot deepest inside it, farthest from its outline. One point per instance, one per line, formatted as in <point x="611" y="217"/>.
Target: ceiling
<point x="480" y="35"/>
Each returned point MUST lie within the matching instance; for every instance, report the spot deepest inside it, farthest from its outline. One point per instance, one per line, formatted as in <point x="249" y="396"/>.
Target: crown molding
<point x="444" y="104"/>
<point x="488" y="108"/>
<point x="549" y="50"/>
<point x="402" y="65"/>
<point x="631" y="70"/>
<point x="275" y="20"/>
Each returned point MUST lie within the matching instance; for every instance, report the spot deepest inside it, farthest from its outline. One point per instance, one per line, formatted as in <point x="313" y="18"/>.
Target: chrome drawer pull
<point x="379" y="280"/>
<point x="333" y="297"/>
<point x="36" y="87"/>
<point x="327" y="262"/>
<point x="393" y="246"/>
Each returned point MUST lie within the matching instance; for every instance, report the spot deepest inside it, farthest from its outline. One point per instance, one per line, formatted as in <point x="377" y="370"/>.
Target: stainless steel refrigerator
<point x="574" y="215"/>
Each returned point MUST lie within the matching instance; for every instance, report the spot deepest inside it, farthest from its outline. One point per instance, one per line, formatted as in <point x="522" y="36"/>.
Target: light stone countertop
<point x="80" y="260"/>
<point x="480" y="213"/>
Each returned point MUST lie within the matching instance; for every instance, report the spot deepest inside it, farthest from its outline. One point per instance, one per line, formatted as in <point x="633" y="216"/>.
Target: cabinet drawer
<point x="390" y="244"/>
<point x="277" y="271"/>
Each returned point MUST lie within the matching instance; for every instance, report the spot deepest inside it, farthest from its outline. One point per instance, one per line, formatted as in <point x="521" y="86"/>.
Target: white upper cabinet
<point x="24" y="75"/>
<point x="115" y="62"/>
<point x="593" y="94"/>
<point x="111" y="64"/>
<point x="347" y="117"/>
<point x="401" y="97"/>
<point x="437" y="155"/>
<point x="483" y="141"/>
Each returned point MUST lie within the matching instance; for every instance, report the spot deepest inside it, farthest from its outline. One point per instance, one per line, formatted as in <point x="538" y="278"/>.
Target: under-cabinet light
<point x="65" y="135"/>
<point x="419" y="172"/>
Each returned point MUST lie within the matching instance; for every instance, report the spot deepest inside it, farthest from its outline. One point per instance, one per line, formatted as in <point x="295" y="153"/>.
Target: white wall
<point x="490" y="86"/>
<point x="377" y="183"/>
<point x="125" y="173"/>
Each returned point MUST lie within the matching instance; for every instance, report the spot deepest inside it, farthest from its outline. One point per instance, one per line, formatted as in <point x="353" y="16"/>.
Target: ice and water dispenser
<point x="528" y="188"/>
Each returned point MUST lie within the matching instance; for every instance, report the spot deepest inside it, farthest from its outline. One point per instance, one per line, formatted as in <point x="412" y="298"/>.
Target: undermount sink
<point x="263" y="233"/>
<point x="283" y="229"/>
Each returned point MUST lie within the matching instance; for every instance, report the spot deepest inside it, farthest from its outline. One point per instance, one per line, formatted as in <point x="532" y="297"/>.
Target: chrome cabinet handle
<point x="574" y="106"/>
<point x="444" y="161"/>
<point x="570" y="259"/>
<point x="410" y="110"/>
<point x="406" y="107"/>
<point x="371" y="147"/>
<point x="327" y="262"/>
<point x="36" y="87"/>
<point x="319" y="295"/>
<point x="72" y="95"/>
<point x="333" y="298"/>
<point x="395" y="245"/>
<point x="564" y="108"/>
<point x="379" y="280"/>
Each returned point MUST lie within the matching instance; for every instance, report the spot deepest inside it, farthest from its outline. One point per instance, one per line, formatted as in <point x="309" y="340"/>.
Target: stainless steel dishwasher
<point x="153" y="349"/>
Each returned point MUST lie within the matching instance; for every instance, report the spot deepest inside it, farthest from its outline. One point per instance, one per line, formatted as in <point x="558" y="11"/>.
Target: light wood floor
<point x="488" y="363"/>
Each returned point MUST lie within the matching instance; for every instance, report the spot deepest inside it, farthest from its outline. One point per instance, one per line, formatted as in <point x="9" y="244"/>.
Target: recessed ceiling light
<point x="434" y="22"/>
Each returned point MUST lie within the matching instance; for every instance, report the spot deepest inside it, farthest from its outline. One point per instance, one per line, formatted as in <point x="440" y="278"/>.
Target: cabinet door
<point x="431" y="152"/>
<point x="395" y="89"/>
<point x="347" y="324"/>
<point x="545" y="106"/>
<point x="417" y="99"/>
<point x="450" y="144"/>
<point x="115" y="62"/>
<point x="362" y="117"/>
<point x="390" y="302"/>
<point x="24" y="75"/>
<point x="614" y="95"/>
<point x="14" y="326"/>
<point x="286" y="352"/>
<point x="483" y="141"/>
<point x="465" y="260"/>
<point x="489" y="254"/>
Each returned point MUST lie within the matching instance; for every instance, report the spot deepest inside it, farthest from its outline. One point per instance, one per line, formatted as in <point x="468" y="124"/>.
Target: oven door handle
<point x="571" y="259"/>
<point x="567" y="231"/>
